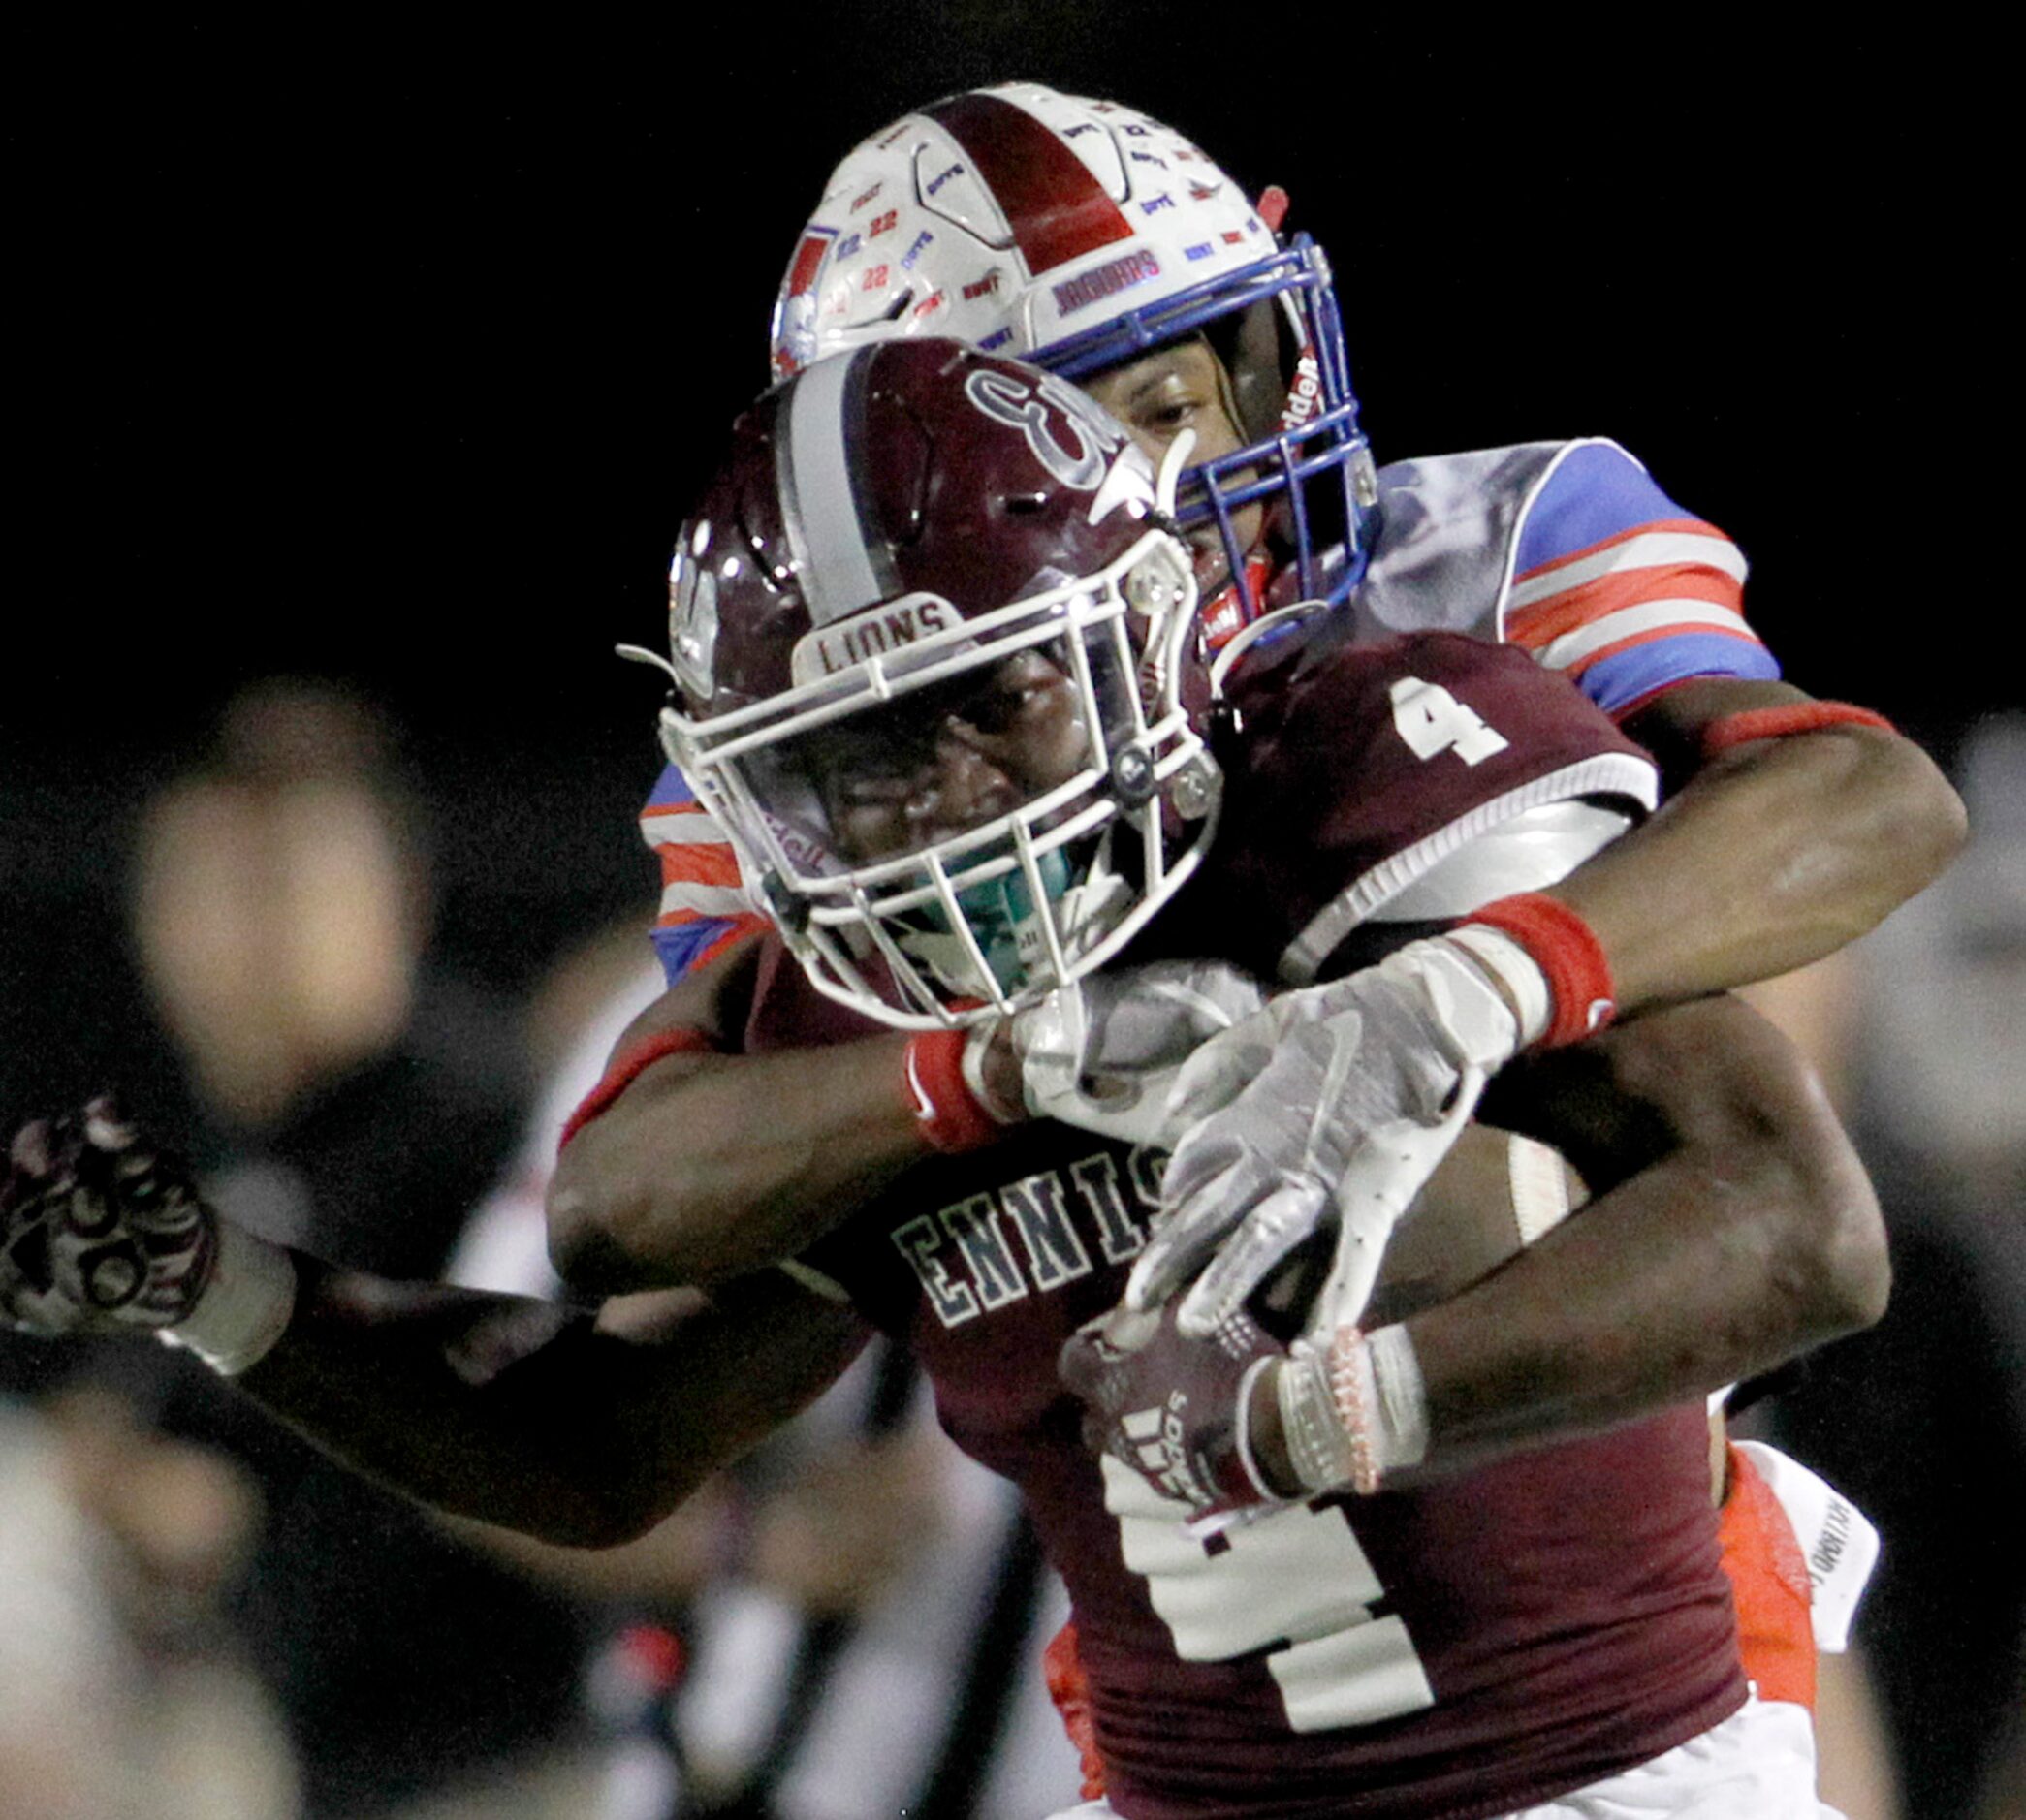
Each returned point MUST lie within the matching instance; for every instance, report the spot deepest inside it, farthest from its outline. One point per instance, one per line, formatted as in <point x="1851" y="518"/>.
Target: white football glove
<point x="1105" y="1054"/>
<point x="1338" y="1101"/>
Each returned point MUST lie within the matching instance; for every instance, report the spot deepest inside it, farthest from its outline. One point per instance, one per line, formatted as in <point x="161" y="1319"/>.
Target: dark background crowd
<point x="386" y="359"/>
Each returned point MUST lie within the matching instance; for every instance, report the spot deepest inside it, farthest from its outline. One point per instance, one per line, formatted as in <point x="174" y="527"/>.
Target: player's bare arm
<point x="575" y="1425"/>
<point x="1731" y="1229"/>
<point x="1770" y="855"/>
<point x="710" y="1164"/>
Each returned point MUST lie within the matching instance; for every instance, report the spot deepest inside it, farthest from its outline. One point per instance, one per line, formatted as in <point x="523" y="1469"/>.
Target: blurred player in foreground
<point x="944" y="682"/>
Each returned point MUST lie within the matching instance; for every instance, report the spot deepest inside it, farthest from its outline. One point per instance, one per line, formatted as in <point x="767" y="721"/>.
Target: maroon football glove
<point x="1173" y="1409"/>
<point x="97" y="1230"/>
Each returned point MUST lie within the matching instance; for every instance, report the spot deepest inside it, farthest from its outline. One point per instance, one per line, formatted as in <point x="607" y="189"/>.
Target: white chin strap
<point x="1174" y="459"/>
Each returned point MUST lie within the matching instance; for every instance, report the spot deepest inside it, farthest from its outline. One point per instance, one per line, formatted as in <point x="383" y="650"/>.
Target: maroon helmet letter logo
<point x="1024" y="407"/>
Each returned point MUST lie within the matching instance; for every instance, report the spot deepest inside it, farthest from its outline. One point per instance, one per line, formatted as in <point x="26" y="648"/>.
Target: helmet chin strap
<point x="639" y="654"/>
<point x="1173" y="459"/>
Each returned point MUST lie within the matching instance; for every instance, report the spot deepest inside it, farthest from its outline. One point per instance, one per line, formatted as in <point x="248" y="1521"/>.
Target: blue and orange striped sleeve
<point x="704" y="906"/>
<point x="1623" y="591"/>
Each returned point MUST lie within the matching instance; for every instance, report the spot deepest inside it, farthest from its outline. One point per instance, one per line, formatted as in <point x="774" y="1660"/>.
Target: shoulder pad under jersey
<point x="1571" y="551"/>
<point x="1356" y="775"/>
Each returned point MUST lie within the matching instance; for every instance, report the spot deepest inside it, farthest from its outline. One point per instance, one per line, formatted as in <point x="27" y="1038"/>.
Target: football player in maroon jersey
<point x="937" y="664"/>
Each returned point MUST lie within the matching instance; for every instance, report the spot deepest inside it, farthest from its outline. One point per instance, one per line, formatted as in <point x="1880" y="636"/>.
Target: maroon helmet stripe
<point x="1055" y="206"/>
<point x="801" y="270"/>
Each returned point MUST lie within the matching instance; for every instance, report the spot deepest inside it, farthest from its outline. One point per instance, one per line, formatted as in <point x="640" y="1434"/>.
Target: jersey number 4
<point x="1294" y="1584"/>
<point x="1433" y="721"/>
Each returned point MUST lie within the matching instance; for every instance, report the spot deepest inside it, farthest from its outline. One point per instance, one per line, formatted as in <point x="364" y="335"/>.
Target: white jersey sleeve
<point x="1571" y="551"/>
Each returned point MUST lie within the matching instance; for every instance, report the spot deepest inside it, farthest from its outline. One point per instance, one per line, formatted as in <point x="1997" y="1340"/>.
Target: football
<point x="1494" y="1194"/>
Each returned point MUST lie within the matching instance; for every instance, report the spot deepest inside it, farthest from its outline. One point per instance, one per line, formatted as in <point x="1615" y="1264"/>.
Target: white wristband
<point x="1244" y="1432"/>
<point x="1381" y="1400"/>
<point x="1402" y="1403"/>
<point x="1317" y="1448"/>
<point x="246" y="1306"/>
<point x="1515" y="969"/>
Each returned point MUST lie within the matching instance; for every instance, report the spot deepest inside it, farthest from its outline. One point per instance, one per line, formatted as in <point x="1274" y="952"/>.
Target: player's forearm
<point x="1753" y="1236"/>
<point x="576" y="1429"/>
<point x="458" y="1399"/>
<point x="1736" y="1229"/>
<point x="1772" y="856"/>
<point x="1730" y="1298"/>
<point x="707" y="1167"/>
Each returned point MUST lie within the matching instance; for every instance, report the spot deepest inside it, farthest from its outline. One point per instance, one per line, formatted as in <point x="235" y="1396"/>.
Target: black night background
<point x="394" y="354"/>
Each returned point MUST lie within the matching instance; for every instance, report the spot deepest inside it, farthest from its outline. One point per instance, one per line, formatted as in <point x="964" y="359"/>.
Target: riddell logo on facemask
<point x="1305" y="395"/>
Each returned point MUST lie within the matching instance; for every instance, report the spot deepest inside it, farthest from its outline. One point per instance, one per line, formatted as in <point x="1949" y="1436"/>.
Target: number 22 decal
<point x="1432" y="721"/>
<point x="1296" y="1578"/>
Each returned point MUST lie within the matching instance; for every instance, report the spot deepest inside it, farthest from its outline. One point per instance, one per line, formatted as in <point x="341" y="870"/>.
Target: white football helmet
<point x="1081" y="234"/>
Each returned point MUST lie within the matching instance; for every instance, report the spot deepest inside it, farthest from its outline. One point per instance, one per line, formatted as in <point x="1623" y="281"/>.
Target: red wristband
<point x="931" y="1077"/>
<point x="1778" y="723"/>
<point x="1570" y="955"/>
<point x="624" y="1068"/>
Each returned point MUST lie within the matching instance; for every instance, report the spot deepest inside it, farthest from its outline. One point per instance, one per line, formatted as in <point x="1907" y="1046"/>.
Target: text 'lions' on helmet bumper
<point x="929" y="629"/>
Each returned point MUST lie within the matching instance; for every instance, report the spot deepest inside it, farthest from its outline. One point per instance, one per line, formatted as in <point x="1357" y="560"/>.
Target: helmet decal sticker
<point x="873" y="633"/>
<point x="1056" y="209"/>
<point x="1106" y="280"/>
<point x="1027" y="407"/>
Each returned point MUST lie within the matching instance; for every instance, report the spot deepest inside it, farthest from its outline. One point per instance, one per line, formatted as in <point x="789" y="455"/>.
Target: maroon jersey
<point x="1458" y="1650"/>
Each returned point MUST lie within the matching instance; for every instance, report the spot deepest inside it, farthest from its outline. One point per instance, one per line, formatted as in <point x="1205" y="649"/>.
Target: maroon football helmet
<point x="928" y="628"/>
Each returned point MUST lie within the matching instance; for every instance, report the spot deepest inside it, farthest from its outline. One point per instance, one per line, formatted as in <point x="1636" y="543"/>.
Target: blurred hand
<point x="99" y="1231"/>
